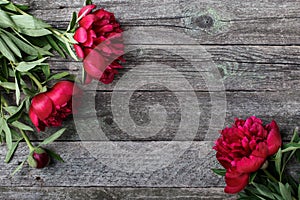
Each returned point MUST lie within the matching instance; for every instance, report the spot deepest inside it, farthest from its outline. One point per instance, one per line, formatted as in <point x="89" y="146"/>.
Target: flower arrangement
<point x="44" y="99"/>
<point x="255" y="160"/>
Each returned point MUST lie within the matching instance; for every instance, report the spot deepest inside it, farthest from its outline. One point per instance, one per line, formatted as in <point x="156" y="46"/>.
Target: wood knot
<point x="204" y="21"/>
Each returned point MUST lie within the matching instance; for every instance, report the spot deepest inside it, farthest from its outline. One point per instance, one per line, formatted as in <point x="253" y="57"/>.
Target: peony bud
<point x="38" y="158"/>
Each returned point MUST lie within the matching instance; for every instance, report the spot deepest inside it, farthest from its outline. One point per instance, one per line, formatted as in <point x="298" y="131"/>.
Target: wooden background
<point x="255" y="46"/>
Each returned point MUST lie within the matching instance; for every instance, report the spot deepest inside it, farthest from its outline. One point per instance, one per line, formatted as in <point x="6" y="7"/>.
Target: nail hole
<point x="19" y="163"/>
<point x="204" y="21"/>
<point x="37" y="178"/>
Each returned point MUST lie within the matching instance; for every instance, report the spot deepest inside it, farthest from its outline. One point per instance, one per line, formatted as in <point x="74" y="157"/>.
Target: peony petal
<point x="80" y="35"/>
<point x="35" y="120"/>
<point x="255" y="160"/>
<point x="90" y="39"/>
<point x="235" y="182"/>
<point x="86" y="10"/>
<point x="94" y="64"/>
<point x="87" y="21"/>
<point x="61" y="93"/>
<point x="101" y="13"/>
<point x="42" y="106"/>
<point x="79" y="51"/>
<point x="274" y="139"/>
<point x="106" y="28"/>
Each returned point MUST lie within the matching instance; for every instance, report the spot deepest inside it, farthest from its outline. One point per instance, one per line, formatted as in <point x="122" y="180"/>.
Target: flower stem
<point x="270" y="176"/>
<point x="31" y="148"/>
<point x="37" y="82"/>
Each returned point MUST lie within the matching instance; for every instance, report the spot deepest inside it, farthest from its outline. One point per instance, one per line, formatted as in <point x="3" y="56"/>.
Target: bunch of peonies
<point x="100" y="44"/>
<point x="244" y="148"/>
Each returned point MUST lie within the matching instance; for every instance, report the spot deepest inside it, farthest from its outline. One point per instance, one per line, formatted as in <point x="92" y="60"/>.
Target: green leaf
<point x="8" y="137"/>
<point x="8" y="85"/>
<point x="54" y="155"/>
<point x="58" y="76"/>
<point x="285" y="192"/>
<point x="46" y="70"/>
<point x="72" y="22"/>
<point x="278" y="159"/>
<point x="18" y="168"/>
<point x="6" y="21"/>
<point x="11" y="151"/>
<point x="29" y="22"/>
<point x="18" y="113"/>
<point x="18" y="93"/>
<point x="53" y="137"/>
<point x="10" y="109"/>
<point x="220" y="172"/>
<point x="252" y="177"/>
<point x="70" y="51"/>
<point x="295" y="137"/>
<point x="11" y="45"/>
<point x="290" y="147"/>
<point x="88" y="2"/>
<point x="35" y="32"/>
<point x="55" y="46"/>
<point x="3" y="2"/>
<point x="21" y="126"/>
<point x="6" y="51"/>
<point x="26" y="66"/>
<point x="25" y="45"/>
<point x="263" y="190"/>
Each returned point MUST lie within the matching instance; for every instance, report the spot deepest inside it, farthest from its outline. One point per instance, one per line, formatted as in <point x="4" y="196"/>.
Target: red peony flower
<point x="38" y="158"/>
<point x="243" y="149"/>
<point x="51" y="107"/>
<point x="100" y="44"/>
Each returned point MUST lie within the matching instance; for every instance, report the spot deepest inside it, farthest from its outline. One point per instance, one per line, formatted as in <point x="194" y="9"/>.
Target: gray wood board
<point x="106" y="193"/>
<point x="283" y="107"/>
<point x="210" y="22"/>
<point x="131" y="164"/>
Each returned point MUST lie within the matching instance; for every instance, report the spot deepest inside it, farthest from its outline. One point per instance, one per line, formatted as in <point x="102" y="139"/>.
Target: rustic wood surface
<point x="255" y="47"/>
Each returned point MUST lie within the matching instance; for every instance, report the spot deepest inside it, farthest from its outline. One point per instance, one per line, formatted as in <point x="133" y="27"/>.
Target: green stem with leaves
<point x="37" y="82"/>
<point x="31" y="147"/>
<point x="270" y="176"/>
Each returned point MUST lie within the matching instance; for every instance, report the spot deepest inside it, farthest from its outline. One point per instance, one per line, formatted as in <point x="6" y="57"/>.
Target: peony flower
<point x="52" y="107"/>
<point x="38" y="158"/>
<point x="100" y="44"/>
<point x="244" y="148"/>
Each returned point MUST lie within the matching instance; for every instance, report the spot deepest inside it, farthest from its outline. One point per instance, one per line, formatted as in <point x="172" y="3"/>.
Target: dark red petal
<point x="34" y="118"/>
<point x="86" y="10"/>
<point x="106" y="28"/>
<point x="42" y="159"/>
<point x="80" y="35"/>
<point x="61" y="93"/>
<point x="274" y="139"/>
<point x="87" y="21"/>
<point x="79" y="51"/>
<point x="90" y="39"/>
<point x="94" y="64"/>
<point x="42" y="106"/>
<point x="235" y="182"/>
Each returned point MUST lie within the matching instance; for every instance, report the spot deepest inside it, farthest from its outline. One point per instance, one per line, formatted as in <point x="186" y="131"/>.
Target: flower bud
<point x="38" y="158"/>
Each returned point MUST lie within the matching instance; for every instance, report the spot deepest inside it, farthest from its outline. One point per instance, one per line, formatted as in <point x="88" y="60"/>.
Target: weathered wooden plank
<point x="281" y="106"/>
<point x="210" y="22"/>
<point x="105" y="193"/>
<point x="126" y="164"/>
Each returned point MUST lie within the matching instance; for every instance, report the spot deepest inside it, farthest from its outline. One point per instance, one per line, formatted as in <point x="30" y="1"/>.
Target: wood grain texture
<point x="132" y="164"/>
<point x="106" y="193"/>
<point x="280" y="106"/>
<point x="255" y="48"/>
<point x="234" y="22"/>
